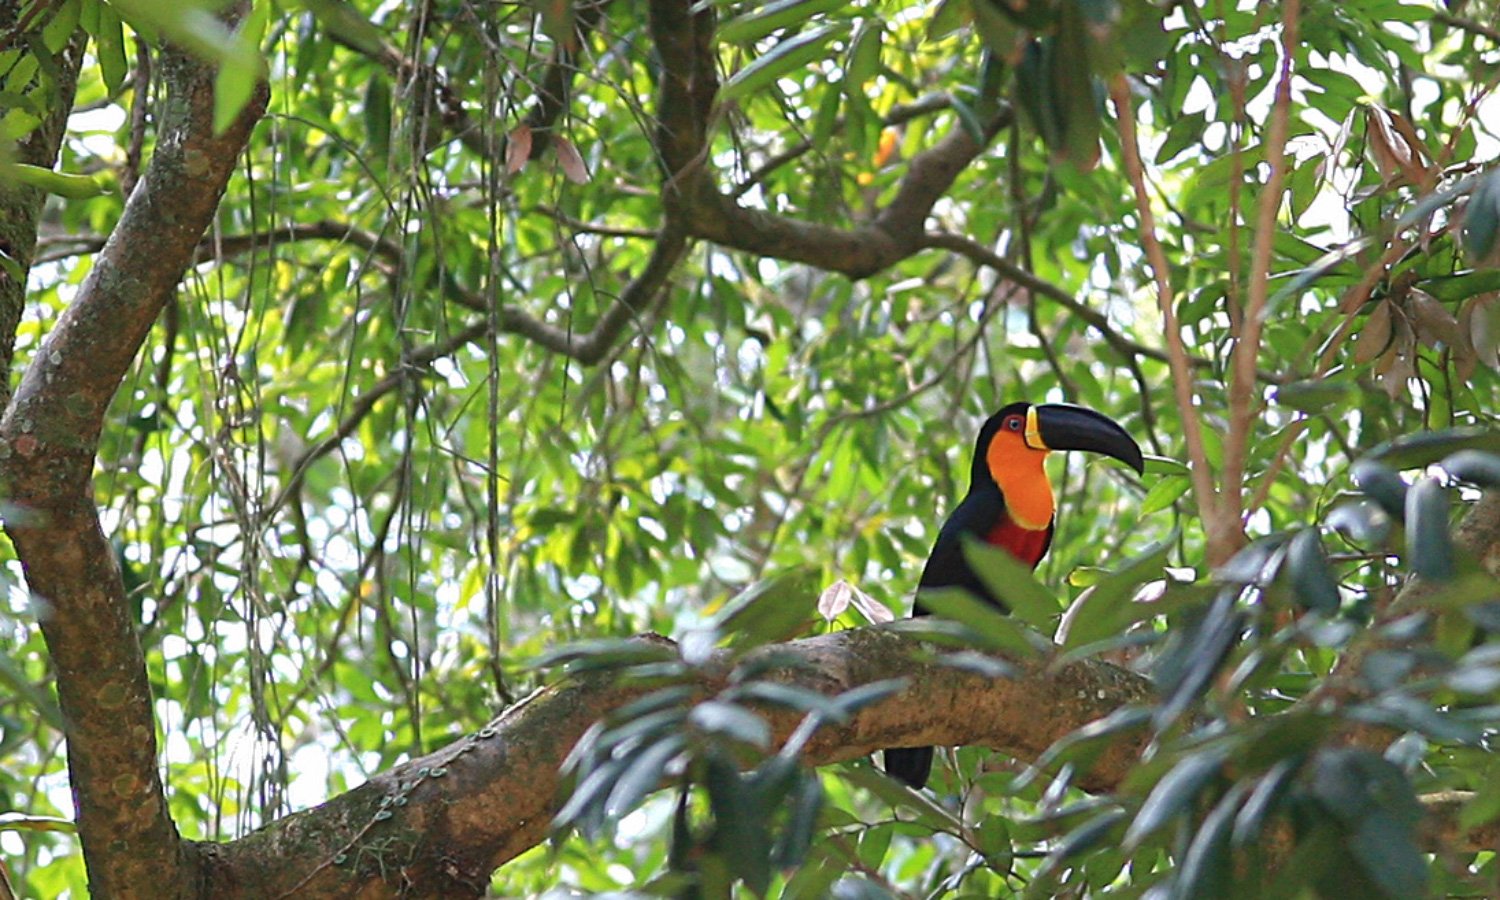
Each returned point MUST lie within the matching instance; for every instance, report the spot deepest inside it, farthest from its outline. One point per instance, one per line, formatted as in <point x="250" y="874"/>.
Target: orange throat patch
<point x="1022" y="478"/>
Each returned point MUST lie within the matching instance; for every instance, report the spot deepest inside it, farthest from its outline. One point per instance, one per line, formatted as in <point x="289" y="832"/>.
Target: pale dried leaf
<point x="1340" y="140"/>
<point x="517" y="148"/>
<point x="572" y="164"/>
<point x="1385" y="147"/>
<point x="1375" y="337"/>
<point x="1071" y="613"/>
<point x="875" y="612"/>
<point x="1420" y="168"/>
<point x="835" y="599"/>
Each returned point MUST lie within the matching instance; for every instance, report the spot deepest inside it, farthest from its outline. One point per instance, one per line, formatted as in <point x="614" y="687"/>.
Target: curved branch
<point x="499" y="789"/>
<point x="452" y="817"/>
<point x="48" y="439"/>
<point x="689" y="83"/>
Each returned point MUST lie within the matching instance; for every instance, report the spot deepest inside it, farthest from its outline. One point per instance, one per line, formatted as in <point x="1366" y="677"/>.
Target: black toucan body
<point x="1009" y="505"/>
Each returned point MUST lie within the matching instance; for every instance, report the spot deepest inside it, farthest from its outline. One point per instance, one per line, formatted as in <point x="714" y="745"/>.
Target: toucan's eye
<point x="1013" y="423"/>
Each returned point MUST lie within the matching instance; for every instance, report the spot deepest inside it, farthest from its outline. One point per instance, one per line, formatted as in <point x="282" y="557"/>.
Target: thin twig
<point x="1243" y="405"/>
<point x="1349" y="306"/>
<point x="1220" y="546"/>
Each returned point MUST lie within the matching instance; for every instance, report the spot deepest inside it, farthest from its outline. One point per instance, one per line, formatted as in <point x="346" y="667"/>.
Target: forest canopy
<point x="464" y="448"/>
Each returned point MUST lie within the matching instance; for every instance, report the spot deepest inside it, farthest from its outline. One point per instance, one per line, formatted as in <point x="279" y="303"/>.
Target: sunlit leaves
<point x="789" y="56"/>
<point x="758" y="415"/>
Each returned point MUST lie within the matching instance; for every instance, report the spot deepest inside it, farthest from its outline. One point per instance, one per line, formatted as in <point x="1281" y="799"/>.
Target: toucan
<point x="1009" y="505"/>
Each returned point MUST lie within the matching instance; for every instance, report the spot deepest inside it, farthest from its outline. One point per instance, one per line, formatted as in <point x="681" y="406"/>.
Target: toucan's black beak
<point x="1058" y="426"/>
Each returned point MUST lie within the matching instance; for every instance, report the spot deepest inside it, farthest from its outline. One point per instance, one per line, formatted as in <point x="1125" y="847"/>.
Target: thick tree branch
<point x="20" y="205"/>
<point x="48" y="438"/>
<point x="437" y="826"/>
<point x="689" y="82"/>
<point x="498" y="790"/>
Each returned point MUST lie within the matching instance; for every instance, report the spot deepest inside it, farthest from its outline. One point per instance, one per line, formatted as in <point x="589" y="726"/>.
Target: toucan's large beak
<point x="1058" y="426"/>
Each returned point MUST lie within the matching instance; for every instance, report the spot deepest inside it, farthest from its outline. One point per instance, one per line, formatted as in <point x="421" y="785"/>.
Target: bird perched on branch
<point x="1009" y="505"/>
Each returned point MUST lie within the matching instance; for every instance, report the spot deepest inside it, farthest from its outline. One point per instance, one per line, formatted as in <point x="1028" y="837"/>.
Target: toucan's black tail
<point x="910" y="764"/>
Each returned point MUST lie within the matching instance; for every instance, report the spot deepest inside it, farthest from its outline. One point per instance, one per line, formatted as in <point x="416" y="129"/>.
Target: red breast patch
<point x="1022" y="543"/>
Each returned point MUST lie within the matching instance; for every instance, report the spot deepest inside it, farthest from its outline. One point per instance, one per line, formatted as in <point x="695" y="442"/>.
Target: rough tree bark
<point x="48" y="438"/>
<point x="458" y="813"/>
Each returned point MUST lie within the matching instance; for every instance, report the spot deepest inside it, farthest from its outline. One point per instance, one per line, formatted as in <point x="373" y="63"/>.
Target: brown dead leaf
<point x="1375" y="337"/>
<point x="1484" y="328"/>
<point x="517" y="148"/>
<point x="1431" y="320"/>
<point x="1399" y="363"/>
<point x="1420" y="170"/>
<point x="572" y="164"/>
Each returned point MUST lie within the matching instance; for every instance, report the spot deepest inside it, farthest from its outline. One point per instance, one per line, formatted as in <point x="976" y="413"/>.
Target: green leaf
<point x="71" y="187"/>
<point x="11" y="266"/>
<point x="1313" y="395"/>
<point x="740" y="836"/>
<point x="644" y="772"/>
<point x="1108" y="609"/>
<point x="1073" y="88"/>
<point x="1083" y="838"/>
<point x="604" y="653"/>
<point x="109" y="47"/>
<point x="1482" y="218"/>
<point x="1461" y="286"/>
<point x="234" y="85"/>
<point x="761" y="21"/>
<point x="796" y="838"/>
<point x="1387" y="850"/>
<point x="348" y="25"/>
<point x="13" y="677"/>
<point x="1174" y="794"/>
<point x="1014" y="582"/>
<point x="771" y="610"/>
<point x="1186" y="130"/>
<point x="14" y="821"/>
<point x="377" y="114"/>
<point x="1164" y="493"/>
<point x="948" y="18"/>
<point x="864" y="55"/>
<point x="1428" y="447"/>
<point x="1383" y="486"/>
<point x="1312" y="580"/>
<point x="1162" y="465"/>
<point x="984" y="625"/>
<point x="1206" y="869"/>
<point x="1250" y="821"/>
<point x="1429" y="546"/>
<point x="893" y="792"/>
<point x="732" y="721"/>
<point x="1474" y="466"/>
<point x="789" y="56"/>
<point x="60" y="27"/>
<point x="1484" y="806"/>
<point x="584" y="809"/>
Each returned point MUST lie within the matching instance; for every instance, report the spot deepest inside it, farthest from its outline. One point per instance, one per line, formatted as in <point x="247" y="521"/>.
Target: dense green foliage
<point x="356" y="498"/>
